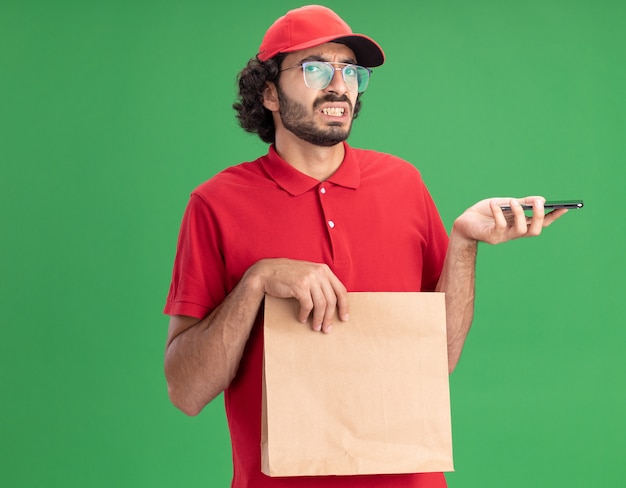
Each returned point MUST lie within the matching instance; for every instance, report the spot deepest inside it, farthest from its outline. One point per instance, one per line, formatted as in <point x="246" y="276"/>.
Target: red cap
<point x="311" y="26"/>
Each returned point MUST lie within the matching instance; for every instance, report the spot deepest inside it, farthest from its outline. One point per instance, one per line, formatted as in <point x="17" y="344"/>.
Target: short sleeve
<point x="199" y="276"/>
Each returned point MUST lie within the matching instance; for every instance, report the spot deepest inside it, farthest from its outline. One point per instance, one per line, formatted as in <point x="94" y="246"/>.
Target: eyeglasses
<point x="319" y="74"/>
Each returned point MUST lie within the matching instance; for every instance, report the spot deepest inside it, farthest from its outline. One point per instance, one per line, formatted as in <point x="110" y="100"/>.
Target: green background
<point x="111" y="112"/>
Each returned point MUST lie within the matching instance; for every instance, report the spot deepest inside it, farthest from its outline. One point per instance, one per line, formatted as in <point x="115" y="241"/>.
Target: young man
<point x="312" y="219"/>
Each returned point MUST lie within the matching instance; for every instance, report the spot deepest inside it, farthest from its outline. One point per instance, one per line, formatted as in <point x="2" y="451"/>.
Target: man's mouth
<point x="333" y="111"/>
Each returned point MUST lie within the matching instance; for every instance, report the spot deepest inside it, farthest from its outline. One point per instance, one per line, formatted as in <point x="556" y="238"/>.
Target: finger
<point x="319" y="308"/>
<point x="330" y="309"/>
<point x="338" y="305"/>
<point x="520" y="224"/>
<point x="326" y="303"/>
<point x="340" y="296"/>
<point x="529" y="200"/>
<point x="306" y="306"/>
<point x="498" y="215"/>
<point x="343" y="307"/>
<point x="502" y="221"/>
<point x="552" y="216"/>
<point x="536" y="223"/>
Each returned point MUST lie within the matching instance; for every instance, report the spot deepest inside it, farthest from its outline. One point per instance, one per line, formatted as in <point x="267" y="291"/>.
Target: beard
<point x="293" y="116"/>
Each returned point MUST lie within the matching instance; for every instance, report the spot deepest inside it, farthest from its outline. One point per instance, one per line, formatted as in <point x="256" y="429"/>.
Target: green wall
<point x="111" y="112"/>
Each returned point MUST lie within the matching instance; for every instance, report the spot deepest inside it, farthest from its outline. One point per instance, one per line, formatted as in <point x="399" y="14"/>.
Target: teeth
<point x="334" y="111"/>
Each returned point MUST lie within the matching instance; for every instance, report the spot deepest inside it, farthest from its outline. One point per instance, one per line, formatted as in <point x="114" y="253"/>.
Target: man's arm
<point x="484" y="222"/>
<point x="202" y="356"/>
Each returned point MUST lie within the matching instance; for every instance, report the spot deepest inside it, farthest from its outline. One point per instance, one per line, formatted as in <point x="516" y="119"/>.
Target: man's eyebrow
<point x="317" y="57"/>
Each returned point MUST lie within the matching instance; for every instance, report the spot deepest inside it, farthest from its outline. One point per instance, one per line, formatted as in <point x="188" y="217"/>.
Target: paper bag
<point x="372" y="397"/>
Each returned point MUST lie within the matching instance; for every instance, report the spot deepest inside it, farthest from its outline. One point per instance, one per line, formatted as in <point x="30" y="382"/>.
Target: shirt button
<point x="331" y="224"/>
<point x="322" y="190"/>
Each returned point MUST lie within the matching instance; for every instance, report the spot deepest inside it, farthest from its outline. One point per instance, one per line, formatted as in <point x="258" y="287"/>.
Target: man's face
<point x="321" y="117"/>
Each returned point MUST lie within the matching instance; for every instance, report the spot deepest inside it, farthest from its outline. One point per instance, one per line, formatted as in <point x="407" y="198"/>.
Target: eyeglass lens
<point x="319" y="74"/>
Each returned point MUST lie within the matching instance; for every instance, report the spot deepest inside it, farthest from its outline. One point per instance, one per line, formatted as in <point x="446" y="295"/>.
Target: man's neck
<point x="319" y="162"/>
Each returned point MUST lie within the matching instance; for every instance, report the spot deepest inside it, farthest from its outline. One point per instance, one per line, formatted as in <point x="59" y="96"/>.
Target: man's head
<point x="312" y="48"/>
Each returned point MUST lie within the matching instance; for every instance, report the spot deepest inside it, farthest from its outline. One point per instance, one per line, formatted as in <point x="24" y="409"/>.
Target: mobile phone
<point x="551" y="205"/>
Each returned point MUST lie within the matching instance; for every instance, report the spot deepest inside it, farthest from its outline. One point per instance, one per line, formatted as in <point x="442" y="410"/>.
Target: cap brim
<point x="368" y="52"/>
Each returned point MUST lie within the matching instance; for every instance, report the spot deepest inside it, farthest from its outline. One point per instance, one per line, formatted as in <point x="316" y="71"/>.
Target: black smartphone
<point x="551" y="205"/>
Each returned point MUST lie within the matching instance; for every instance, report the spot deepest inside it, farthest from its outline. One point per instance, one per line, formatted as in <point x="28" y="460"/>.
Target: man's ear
<point x="270" y="97"/>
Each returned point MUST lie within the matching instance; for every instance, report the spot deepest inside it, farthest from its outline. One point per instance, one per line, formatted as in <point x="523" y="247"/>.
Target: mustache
<point x="329" y="97"/>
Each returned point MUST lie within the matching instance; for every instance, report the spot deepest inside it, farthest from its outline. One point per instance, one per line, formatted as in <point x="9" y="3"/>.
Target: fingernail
<point x="346" y="317"/>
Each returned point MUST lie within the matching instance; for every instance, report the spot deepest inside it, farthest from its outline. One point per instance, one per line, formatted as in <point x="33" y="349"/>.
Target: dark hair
<point x="252" y="116"/>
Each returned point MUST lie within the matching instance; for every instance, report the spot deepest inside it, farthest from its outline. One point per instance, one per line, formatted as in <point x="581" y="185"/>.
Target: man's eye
<point x="350" y="71"/>
<point x="311" y="68"/>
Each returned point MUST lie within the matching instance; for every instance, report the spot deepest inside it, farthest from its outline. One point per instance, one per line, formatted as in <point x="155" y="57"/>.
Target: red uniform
<point x="373" y="223"/>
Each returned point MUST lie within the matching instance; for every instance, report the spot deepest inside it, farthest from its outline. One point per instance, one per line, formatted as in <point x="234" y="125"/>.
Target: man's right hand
<point x="202" y="356"/>
<point x="317" y="289"/>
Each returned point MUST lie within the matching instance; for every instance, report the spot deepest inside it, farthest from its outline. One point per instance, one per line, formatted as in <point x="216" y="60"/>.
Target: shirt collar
<point x="293" y="181"/>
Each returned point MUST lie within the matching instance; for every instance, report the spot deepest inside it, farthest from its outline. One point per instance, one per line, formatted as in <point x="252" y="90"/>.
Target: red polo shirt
<point x="373" y="223"/>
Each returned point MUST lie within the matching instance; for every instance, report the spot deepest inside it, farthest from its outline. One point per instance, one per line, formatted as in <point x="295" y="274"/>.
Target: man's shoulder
<point x="378" y="161"/>
<point x="228" y="179"/>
